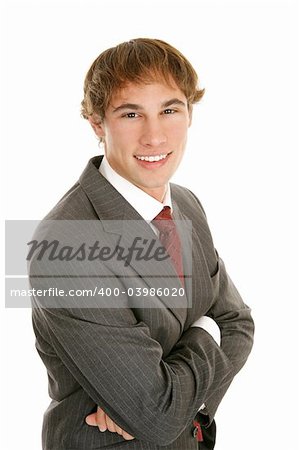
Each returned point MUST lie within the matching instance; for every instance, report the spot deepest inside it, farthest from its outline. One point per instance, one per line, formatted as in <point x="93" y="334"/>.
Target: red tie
<point x="169" y="238"/>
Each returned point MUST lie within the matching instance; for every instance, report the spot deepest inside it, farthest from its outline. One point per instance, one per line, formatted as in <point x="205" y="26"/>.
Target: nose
<point x="153" y="134"/>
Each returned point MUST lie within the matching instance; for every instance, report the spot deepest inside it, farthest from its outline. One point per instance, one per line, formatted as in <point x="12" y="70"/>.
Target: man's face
<point x="145" y="132"/>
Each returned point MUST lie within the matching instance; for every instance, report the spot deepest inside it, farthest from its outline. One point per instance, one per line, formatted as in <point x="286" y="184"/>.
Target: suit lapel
<point x="200" y="288"/>
<point x="120" y="218"/>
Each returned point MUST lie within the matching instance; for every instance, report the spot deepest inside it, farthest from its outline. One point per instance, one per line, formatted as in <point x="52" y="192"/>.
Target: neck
<point x="157" y="193"/>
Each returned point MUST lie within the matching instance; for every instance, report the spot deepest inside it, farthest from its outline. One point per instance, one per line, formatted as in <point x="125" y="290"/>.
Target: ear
<point x="97" y="125"/>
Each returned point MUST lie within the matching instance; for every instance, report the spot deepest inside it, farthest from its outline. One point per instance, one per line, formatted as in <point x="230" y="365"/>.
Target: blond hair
<point x="139" y="61"/>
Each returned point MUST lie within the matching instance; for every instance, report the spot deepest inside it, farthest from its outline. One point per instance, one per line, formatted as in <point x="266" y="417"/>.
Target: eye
<point x="169" y="111"/>
<point x="130" y="115"/>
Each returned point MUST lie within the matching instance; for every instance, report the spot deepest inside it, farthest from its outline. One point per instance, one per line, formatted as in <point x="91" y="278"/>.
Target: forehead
<point x="151" y="92"/>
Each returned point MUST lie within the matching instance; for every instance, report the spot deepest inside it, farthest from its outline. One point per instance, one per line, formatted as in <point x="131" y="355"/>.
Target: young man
<point x="147" y="377"/>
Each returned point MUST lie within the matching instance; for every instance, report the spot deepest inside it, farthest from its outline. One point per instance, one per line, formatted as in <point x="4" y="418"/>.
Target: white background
<point x="241" y="161"/>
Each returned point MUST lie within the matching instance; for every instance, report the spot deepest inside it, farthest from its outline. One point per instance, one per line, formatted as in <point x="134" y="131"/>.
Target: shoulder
<point x="74" y="205"/>
<point x="187" y="200"/>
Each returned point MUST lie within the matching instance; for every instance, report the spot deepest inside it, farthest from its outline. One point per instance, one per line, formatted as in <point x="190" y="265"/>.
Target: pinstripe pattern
<point x="148" y="370"/>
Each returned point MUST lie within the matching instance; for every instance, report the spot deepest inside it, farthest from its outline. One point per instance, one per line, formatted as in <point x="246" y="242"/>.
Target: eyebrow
<point x="135" y="107"/>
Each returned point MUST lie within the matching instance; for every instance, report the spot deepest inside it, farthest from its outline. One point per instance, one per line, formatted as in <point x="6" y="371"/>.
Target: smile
<point x="153" y="158"/>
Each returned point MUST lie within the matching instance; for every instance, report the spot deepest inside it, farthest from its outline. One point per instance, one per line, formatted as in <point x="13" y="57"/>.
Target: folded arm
<point x="122" y="369"/>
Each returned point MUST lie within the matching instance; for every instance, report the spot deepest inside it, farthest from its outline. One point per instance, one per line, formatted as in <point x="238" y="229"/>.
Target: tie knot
<point x="163" y="221"/>
<point x="164" y="214"/>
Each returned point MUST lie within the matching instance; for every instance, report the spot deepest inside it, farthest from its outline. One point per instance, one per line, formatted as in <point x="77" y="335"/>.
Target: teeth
<point x="151" y="158"/>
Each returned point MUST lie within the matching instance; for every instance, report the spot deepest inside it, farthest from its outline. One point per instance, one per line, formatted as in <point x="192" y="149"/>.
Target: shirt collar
<point x="147" y="206"/>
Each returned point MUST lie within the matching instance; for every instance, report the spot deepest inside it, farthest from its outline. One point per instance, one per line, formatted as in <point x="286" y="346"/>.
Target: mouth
<point x="152" y="159"/>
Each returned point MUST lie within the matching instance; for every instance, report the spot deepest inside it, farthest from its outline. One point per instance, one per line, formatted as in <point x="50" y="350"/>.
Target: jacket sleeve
<point x="121" y="367"/>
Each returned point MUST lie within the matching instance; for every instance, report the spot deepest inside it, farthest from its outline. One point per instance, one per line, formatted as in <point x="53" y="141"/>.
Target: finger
<point x="127" y="436"/>
<point x="101" y="419"/>
<point x="118" y="429"/>
<point x="113" y="426"/>
<point x="110" y="424"/>
<point x="91" y="419"/>
<point x="122" y="432"/>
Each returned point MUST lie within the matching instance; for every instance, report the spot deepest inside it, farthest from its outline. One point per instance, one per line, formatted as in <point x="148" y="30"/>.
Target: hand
<point x="101" y="420"/>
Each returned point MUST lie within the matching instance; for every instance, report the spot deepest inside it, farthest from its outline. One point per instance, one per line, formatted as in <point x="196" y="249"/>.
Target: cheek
<point x="113" y="140"/>
<point x="123" y="136"/>
<point x="177" y="131"/>
<point x="179" y="138"/>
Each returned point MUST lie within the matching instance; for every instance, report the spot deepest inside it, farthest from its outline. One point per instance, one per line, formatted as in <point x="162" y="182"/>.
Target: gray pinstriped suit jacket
<point x="146" y="367"/>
